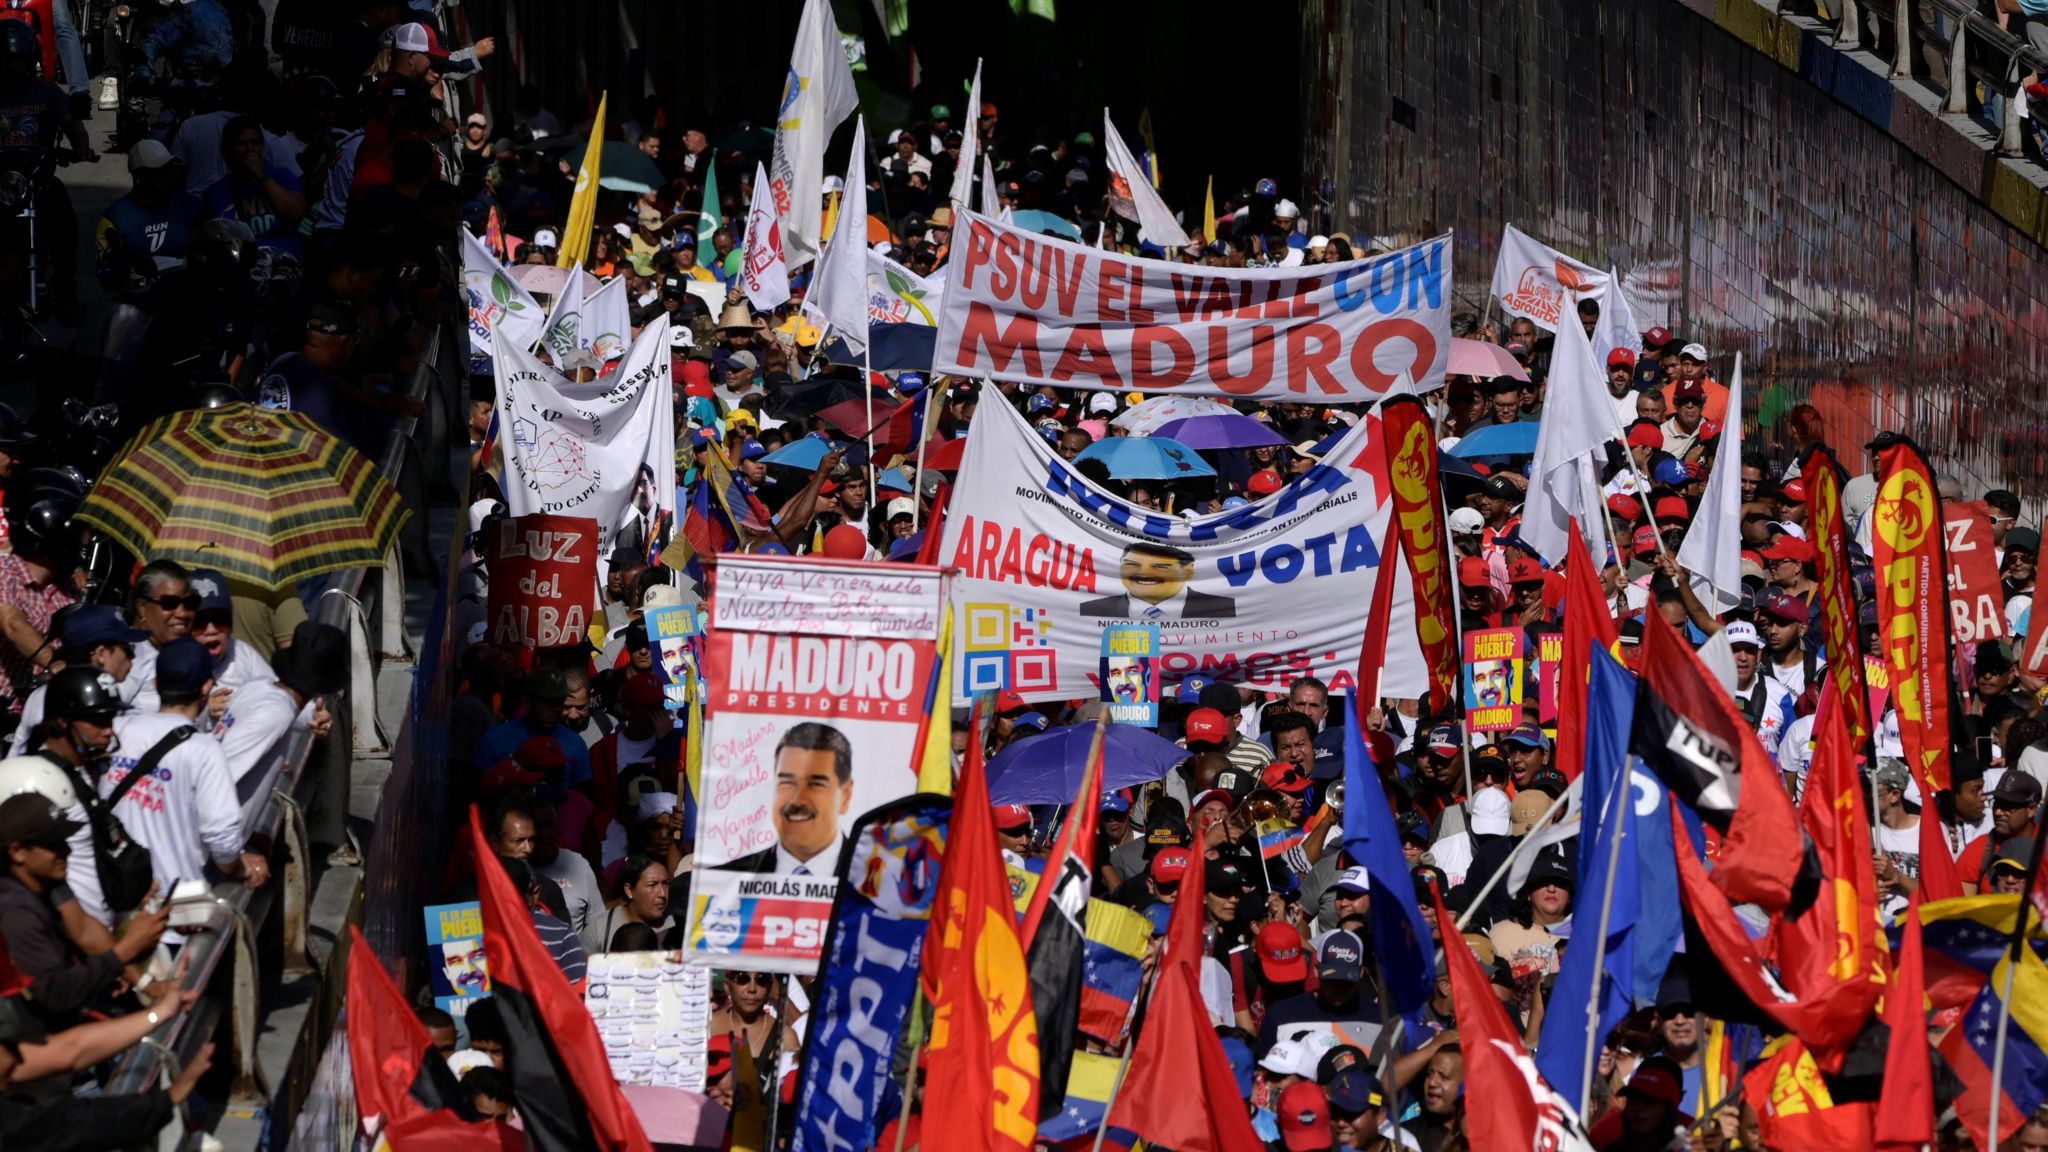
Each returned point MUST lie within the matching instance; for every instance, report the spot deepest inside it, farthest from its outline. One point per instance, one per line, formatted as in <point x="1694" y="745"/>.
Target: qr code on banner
<point x="1008" y="648"/>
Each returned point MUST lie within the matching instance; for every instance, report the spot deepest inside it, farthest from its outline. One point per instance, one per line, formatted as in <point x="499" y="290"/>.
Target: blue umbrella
<point x="1221" y="430"/>
<point x="892" y="480"/>
<point x="1146" y="458"/>
<point x="1047" y="768"/>
<point x="1446" y="464"/>
<point x="805" y="452"/>
<point x="1033" y="220"/>
<point x="1499" y="440"/>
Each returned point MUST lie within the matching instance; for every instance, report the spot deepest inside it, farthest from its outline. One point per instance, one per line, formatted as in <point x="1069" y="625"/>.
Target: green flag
<point x="707" y="223"/>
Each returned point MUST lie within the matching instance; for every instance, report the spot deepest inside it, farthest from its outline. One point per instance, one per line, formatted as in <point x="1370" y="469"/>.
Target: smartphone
<point x="1983" y="751"/>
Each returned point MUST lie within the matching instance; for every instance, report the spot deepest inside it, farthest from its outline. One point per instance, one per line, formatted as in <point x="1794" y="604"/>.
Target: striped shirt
<point x="38" y="602"/>
<point x="185" y="812"/>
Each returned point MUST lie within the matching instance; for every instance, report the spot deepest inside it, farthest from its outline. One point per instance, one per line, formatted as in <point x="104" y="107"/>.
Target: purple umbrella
<point x="1047" y="768"/>
<point x="1220" y="430"/>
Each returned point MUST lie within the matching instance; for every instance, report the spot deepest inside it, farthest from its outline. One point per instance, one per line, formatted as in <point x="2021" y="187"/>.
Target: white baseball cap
<point x="1285" y="210"/>
<point x="1742" y="632"/>
<point x="1489" y="815"/>
<point x="1466" y="522"/>
<point x="1290" y="1058"/>
<point x="1102" y="402"/>
<point x="1357" y="879"/>
<point x="1693" y="352"/>
<point x="900" y="506"/>
<point x="148" y="154"/>
<point x="624" y="230"/>
<point x="413" y="37"/>
<point x="546" y="238"/>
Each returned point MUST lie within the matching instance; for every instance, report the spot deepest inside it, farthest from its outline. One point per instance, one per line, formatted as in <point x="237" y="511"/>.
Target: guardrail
<point x="1963" y="47"/>
<point x="367" y="606"/>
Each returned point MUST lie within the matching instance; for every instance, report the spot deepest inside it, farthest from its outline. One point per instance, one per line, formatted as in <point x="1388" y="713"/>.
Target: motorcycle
<point x="25" y="271"/>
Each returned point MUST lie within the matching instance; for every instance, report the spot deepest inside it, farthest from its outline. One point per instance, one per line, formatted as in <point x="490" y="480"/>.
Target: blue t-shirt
<point x="234" y="197"/>
<point x="292" y="383"/>
<point x="133" y="237"/>
<point x="501" y="742"/>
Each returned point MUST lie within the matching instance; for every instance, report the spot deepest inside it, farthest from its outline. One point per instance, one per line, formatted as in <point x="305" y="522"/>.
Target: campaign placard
<point x="1549" y="652"/>
<point x="1130" y="673"/>
<point x="1045" y="562"/>
<point x="543" y="580"/>
<point x="676" y="632"/>
<point x="1493" y="679"/>
<point x="458" y="968"/>
<point x="816" y="681"/>
<point x="1976" y="597"/>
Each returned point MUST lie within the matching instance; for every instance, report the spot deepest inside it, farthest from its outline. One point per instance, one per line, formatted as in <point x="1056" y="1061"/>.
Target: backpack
<point x="124" y="866"/>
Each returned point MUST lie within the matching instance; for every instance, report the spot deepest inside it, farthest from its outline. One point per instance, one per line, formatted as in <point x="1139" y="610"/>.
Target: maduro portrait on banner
<point x="1260" y="595"/>
<point x="1024" y="306"/>
<point x="816" y="680"/>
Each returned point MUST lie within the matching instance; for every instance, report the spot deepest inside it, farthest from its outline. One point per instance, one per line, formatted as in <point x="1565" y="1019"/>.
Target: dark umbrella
<point x="801" y="399"/>
<point x="746" y="140"/>
<point x="1047" y="768"/>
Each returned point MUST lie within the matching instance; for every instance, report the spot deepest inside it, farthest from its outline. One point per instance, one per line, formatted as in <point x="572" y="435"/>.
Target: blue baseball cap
<point x="1116" y="802"/>
<point x="1039" y="402"/>
<point x="1191" y="688"/>
<point x="752" y="449"/>
<point x="212" y="589"/>
<point x="910" y="383"/>
<point x="183" y="666"/>
<point x="1240" y="1056"/>
<point x="1670" y="472"/>
<point x="1528" y="736"/>
<point x="1032" y="720"/>
<point x="1266" y="187"/>
<point x="92" y="625"/>
<point x="1160" y="915"/>
<point x="1236" y="502"/>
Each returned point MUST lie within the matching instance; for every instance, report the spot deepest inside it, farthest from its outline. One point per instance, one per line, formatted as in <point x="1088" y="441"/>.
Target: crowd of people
<point x="294" y="243"/>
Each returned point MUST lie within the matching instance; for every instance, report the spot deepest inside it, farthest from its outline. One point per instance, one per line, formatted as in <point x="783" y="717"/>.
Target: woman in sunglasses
<point x="165" y="607"/>
<point x="748" y="1016"/>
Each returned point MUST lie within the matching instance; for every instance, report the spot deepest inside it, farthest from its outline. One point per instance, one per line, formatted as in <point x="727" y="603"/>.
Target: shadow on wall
<point x="1747" y="209"/>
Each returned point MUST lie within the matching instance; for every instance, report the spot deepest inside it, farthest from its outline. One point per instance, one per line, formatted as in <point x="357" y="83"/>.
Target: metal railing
<point x="366" y="605"/>
<point x="1952" y="45"/>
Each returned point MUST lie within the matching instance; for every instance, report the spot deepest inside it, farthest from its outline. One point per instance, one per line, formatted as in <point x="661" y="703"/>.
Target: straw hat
<point x="736" y="315"/>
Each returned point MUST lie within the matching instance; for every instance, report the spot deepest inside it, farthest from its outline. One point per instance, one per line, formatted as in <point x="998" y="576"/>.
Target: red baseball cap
<point x="1656" y="338"/>
<point x="1169" y="866"/>
<point x="1621" y="356"/>
<point x="1627" y="507"/>
<point x="1473" y="572"/>
<point x="1206" y="726"/>
<point x="1645" y="435"/>
<point x="642" y="689"/>
<point x="1284" y="776"/>
<point x="1794" y="491"/>
<point x="1689" y="390"/>
<point x="542" y="752"/>
<point x="1228" y="797"/>
<point x="1264" y="482"/>
<point x="1007" y="702"/>
<point x="1304" y="1114"/>
<point x="1280" y="954"/>
<point x="507" y="774"/>
<point x="1525" y="571"/>
<point x="1790" y="548"/>
<point x="1656" y="1083"/>
<point x="1645" y="540"/>
<point x="1008" y="816"/>
<point x="1673" y="511"/>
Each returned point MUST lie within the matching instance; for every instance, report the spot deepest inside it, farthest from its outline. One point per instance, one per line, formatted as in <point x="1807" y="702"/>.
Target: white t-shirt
<point x="1793" y="675"/>
<point x="579" y="887"/>
<point x="243" y="666"/>
<point x="185" y="812"/>
<point x="252" y="735"/>
<point x="138" y="691"/>
<point x="197" y="144"/>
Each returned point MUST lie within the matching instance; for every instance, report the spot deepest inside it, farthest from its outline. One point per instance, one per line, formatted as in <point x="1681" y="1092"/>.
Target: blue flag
<point x="1609" y="799"/>
<point x="1407" y="954"/>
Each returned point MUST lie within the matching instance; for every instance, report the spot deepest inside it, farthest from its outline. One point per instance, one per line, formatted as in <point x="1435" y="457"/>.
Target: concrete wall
<point x="1783" y="200"/>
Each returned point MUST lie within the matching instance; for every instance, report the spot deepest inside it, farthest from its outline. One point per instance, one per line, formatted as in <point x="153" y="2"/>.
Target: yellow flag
<point x="749" y="1106"/>
<point x="1209" y="211"/>
<point x="583" y="205"/>
<point x="693" y="742"/>
<point x="935" y="766"/>
<point x="1151" y="149"/>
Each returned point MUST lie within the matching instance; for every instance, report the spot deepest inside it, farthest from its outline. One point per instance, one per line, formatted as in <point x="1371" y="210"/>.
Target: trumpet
<point x="1335" y="799"/>
<point x="1265" y="805"/>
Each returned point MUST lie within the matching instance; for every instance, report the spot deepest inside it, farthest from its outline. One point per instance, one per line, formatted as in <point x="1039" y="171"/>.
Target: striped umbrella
<point x="264" y="496"/>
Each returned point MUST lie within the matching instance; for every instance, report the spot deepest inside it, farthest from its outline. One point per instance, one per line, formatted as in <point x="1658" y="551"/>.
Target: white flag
<point x="840" y="293"/>
<point x="1132" y="196"/>
<point x="816" y="96"/>
<point x="970" y="141"/>
<point x="607" y="326"/>
<point x="564" y="329"/>
<point x="496" y="301"/>
<point x="991" y="200"/>
<point x="1712" y="550"/>
<point x="592" y="450"/>
<point x="896" y="295"/>
<point x="1578" y="421"/>
<point x="1540" y="284"/>
<point x="763" y="270"/>
<point x="1617" y="323"/>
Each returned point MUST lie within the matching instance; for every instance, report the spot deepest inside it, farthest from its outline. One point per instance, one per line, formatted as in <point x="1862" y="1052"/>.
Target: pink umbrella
<point x="1481" y="358"/>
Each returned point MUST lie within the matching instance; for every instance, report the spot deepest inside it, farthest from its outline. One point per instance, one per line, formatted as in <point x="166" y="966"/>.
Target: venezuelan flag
<point x="1276" y="836"/>
<point x="1111" y="968"/>
<point x="1971" y="1049"/>
<point x="1089" y="1085"/>
<point x="1964" y="940"/>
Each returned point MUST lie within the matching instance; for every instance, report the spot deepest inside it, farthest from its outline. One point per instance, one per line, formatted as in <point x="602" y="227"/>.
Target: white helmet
<point x="36" y="774"/>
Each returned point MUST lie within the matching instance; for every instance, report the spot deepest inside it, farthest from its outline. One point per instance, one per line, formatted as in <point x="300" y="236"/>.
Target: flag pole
<point x="923" y="433"/>
<point x="1508" y="864"/>
<point x="917" y="1038"/>
<point x="1123" y="1062"/>
<point x="2004" y="1021"/>
<point x="1622" y="792"/>
<point x="867" y="391"/>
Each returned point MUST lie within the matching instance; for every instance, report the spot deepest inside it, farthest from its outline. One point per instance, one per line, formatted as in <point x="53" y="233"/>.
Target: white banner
<point x="495" y="299"/>
<point x="605" y="450"/>
<point x="1540" y="284"/>
<point x="817" y="674"/>
<point x="607" y="323"/>
<point x="896" y="295"/>
<point x="763" y="270"/>
<point x="838" y="295"/>
<point x="1040" y="310"/>
<point x="816" y="95"/>
<point x="1131" y="193"/>
<point x="1257" y="595"/>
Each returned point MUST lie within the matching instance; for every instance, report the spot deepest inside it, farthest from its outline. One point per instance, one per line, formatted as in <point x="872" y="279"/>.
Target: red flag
<point x="1418" y="521"/>
<point x="1794" y="1107"/>
<point x="934" y="526"/>
<point x="1379" y="616"/>
<point x="1833" y="956"/>
<point x="1912" y="605"/>
<point x="1587" y="624"/>
<point x="568" y="1099"/>
<point x="1521" y="1110"/>
<point x="1729" y="943"/>
<point x="1905" y="1112"/>
<point x="1690" y="733"/>
<point x="1179" y="1091"/>
<point x="982" y="1086"/>
<point x="1829" y="531"/>
<point x="1939" y="879"/>
<point x="398" y="1074"/>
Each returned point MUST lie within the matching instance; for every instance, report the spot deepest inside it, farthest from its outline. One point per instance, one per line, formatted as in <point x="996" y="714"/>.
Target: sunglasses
<point x="2002" y="806"/>
<point x="189" y="602"/>
<point x="746" y="979"/>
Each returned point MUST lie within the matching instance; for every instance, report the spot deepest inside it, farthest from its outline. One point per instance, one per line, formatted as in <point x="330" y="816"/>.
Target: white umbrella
<point x="1144" y="417"/>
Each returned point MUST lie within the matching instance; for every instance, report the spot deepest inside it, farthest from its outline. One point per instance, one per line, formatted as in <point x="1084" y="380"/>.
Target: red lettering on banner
<point x="1144" y="378"/>
<point x="1256" y="375"/>
<point x="1041" y="562"/>
<point x="1304" y="365"/>
<point x="1364" y="352"/>
<point x="1019" y="341"/>
<point x="980" y="245"/>
<point x="1137" y="312"/>
<point x="1087" y="354"/>
<point x="1109" y="304"/>
<point x="1053" y="277"/>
